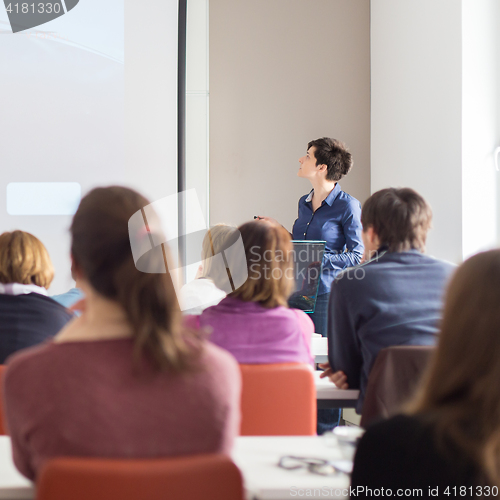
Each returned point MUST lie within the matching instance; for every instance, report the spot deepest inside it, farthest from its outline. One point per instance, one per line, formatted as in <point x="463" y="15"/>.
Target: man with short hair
<point x="393" y="299"/>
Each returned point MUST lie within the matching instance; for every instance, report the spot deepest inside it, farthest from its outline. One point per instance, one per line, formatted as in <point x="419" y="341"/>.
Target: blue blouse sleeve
<point x="351" y="224"/>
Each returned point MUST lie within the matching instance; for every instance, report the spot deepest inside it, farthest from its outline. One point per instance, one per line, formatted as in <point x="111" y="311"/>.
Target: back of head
<point x="268" y="251"/>
<point x="217" y="239"/>
<point x="24" y="259"/>
<point x="462" y="387"/>
<point x="101" y="249"/>
<point x="401" y="218"/>
<point x="334" y="154"/>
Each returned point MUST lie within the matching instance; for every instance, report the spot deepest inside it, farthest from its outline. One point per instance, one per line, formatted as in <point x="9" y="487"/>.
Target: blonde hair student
<point x="25" y="260"/>
<point x="27" y="315"/>
<point x="212" y="282"/>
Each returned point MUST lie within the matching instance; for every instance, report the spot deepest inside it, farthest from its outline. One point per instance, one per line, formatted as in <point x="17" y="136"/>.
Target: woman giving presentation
<point x="328" y="213"/>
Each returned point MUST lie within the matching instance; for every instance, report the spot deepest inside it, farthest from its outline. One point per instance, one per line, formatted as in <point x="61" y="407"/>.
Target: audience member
<point x="27" y="315"/>
<point x="205" y="290"/>
<point x="254" y="322"/>
<point x="123" y="380"/>
<point x="393" y="299"/>
<point x="450" y="434"/>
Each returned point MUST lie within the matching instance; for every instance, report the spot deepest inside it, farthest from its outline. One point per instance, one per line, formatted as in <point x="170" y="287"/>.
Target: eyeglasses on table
<point x="315" y="465"/>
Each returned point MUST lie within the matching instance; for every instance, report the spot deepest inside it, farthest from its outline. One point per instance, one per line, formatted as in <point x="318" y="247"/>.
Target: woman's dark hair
<point x="334" y="154"/>
<point x="101" y="249"/>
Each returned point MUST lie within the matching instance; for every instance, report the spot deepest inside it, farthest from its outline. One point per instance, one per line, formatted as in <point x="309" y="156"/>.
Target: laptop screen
<point x="308" y="265"/>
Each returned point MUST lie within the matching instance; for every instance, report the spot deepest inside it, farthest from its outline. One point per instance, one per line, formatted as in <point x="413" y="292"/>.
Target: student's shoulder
<point x="358" y="277"/>
<point x="399" y="424"/>
<point x="50" y="304"/>
<point x="438" y="267"/>
<point x="221" y="368"/>
<point x="32" y="361"/>
<point x="216" y="357"/>
<point x="68" y="298"/>
<point x="443" y="264"/>
<point x="303" y="319"/>
<point x="386" y="439"/>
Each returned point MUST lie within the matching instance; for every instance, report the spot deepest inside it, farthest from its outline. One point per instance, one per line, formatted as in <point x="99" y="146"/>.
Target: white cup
<point x="347" y="438"/>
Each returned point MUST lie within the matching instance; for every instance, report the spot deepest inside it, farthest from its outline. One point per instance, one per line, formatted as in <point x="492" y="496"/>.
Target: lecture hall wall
<point x="411" y="87"/>
<point x="283" y="72"/>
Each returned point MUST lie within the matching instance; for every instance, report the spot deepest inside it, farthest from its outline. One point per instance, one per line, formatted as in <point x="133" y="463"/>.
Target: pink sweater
<point x="256" y="335"/>
<point x="85" y="399"/>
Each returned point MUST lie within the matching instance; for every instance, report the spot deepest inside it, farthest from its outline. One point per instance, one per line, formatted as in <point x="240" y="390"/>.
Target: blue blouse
<point x="338" y="222"/>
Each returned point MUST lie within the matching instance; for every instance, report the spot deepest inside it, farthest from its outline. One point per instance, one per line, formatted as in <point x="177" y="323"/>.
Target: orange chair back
<point x="208" y="477"/>
<point x="278" y="400"/>
<point x="3" y="428"/>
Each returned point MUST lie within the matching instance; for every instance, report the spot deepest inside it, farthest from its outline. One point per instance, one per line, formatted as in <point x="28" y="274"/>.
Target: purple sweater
<point x="254" y="334"/>
<point x="85" y="399"/>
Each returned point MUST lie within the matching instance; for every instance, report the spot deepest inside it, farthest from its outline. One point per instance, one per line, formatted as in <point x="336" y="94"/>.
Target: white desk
<point x="328" y="396"/>
<point x="13" y="485"/>
<point x="319" y="348"/>
<point x="257" y="458"/>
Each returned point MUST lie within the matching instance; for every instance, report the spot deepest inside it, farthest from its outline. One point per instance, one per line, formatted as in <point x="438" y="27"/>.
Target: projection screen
<point x="89" y="98"/>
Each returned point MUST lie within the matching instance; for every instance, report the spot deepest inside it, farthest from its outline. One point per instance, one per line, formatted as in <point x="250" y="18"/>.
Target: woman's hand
<point x="338" y="378"/>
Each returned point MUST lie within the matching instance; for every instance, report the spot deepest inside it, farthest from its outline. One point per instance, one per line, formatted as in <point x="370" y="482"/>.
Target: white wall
<point x="151" y="98"/>
<point x="481" y="124"/>
<point x="197" y="100"/>
<point x="282" y="73"/>
<point x="197" y="108"/>
<point x="416" y="109"/>
<point x="435" y="106"/>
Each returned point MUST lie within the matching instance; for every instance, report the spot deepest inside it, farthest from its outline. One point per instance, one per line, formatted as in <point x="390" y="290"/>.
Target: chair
<point x="208" y="477"/>
<point x="3" y="429"/>
<point x="278" y="400"/>
<point x="393" y="380"/>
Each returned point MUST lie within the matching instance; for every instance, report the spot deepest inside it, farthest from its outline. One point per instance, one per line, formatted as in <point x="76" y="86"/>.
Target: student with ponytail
<point x="125" y="379"/>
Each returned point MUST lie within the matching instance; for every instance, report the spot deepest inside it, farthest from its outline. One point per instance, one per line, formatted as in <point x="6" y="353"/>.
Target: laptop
<point x="308" y="266"/>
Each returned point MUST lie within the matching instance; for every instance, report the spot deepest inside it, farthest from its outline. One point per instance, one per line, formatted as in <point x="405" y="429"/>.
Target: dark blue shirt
<point x="338" y="222"/>
<point x="27" y="320"/>
<point x="394" y="299"/>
